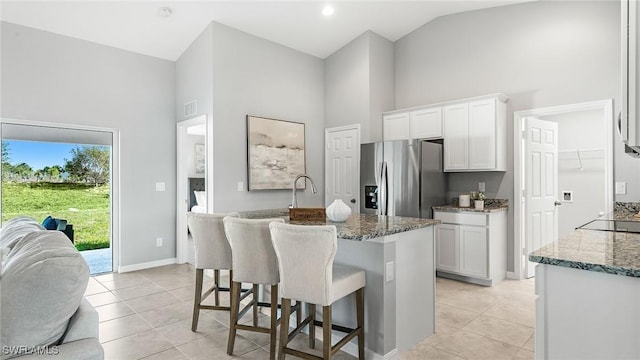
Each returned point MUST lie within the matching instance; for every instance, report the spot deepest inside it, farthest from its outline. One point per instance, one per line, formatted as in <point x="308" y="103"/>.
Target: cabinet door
<point x="426" y="124"/>
<point x="456" y="137"/>
<point x="395" y="127"/>
<point x="482" y="135"/>
<point x="447" y="248"/>
<point x="474" y="251"/>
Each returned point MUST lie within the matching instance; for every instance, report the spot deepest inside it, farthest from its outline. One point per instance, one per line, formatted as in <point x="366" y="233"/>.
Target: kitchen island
<point x="397" y="255"/>
<point x="588" y="287"/>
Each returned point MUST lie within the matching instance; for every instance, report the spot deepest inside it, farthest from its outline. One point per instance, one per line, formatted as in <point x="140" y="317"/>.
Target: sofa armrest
<point x="83" y="324"/>
<point x="85" y="349"/>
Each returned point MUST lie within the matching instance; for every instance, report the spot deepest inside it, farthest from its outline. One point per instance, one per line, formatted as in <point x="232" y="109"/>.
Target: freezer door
<point x="403" y="160"/>
<point x="370" y="167"/>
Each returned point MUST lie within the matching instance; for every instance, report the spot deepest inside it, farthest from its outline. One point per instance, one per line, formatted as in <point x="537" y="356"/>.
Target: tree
<point x="89" y="164"/>
<point x="23" y="170"/>
<point x="6" y="166"/>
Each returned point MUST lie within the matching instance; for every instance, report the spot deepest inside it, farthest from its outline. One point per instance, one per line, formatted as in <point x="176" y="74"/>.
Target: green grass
<point x="84" y="206"/>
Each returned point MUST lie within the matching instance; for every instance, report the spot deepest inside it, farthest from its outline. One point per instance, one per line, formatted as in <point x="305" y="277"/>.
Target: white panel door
<point x="541" y="186"/>
<point x="447" y="248"/>
<point x="342" y="166"/>
<point x="395" y="127"/>
<point x="474" y="251"/>
<point x="456" y="136"/>
<point x="482" y="134"/>
<point x="426" y="124"/>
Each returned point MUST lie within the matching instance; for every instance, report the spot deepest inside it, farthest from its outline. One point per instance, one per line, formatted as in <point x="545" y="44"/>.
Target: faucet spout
<point x="294" y="199"/>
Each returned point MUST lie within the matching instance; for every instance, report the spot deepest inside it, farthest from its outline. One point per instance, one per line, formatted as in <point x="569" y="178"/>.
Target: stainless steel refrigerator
<point x="402" y="178"/>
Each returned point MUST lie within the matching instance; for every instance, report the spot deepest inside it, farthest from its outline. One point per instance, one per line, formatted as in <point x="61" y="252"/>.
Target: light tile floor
<point x="147" y="314"/>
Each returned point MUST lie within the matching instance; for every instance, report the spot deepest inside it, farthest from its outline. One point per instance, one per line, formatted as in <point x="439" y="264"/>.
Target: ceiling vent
<point x="190" y="108"/>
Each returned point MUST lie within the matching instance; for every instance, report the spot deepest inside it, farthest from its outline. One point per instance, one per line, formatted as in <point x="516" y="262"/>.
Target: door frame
<point x="606" y="106"/>
<point x="355" y="127"/>
<point x="182" y="179"/>
<point x="114" y="174"/>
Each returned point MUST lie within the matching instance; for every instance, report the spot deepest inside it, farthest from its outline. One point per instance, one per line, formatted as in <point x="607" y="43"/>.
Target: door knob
<point x="557" y="203"/>
<point x="353" y="201"/>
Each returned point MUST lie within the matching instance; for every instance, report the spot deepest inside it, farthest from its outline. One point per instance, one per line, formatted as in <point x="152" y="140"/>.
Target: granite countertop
<point x="357" y="227"/>
<point x="602" y="251"/>
<point x="490" y="205"/>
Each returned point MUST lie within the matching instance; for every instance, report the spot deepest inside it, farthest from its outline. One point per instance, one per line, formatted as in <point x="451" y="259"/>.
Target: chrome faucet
<point x="294" y="199"/>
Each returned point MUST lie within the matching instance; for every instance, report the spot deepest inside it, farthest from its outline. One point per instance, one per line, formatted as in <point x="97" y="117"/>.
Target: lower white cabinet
<point x="472" y="246"/>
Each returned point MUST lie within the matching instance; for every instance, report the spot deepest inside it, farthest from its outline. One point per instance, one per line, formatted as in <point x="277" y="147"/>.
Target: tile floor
<point x="147" y="314"/>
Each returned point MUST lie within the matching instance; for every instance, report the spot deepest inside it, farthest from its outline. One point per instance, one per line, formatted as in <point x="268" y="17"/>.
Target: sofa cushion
<point x="14" y="229"/>
<point x="44" y="280"/>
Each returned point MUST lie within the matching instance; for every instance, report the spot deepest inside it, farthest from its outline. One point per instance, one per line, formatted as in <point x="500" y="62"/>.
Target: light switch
<point x="621" y="187"/>
<point x="389" y="271"/>
<point x="160" y="186"/>
<point x="240" y="186"/>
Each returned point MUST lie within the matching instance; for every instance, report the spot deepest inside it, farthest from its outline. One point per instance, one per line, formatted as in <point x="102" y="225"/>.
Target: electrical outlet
<point x="160" y="186"/>
<point x="481" y="186"/>
<point x="240" y="186"/>
<point x="158" y="242"/>
<point x="621" y="187"/>
<point x="389" y="271"/>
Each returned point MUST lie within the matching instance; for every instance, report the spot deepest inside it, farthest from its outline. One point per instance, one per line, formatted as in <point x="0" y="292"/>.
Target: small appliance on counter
<point x="464" y="200"/>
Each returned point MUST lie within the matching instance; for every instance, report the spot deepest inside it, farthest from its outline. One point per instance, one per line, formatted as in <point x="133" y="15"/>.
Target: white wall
<point x="54" y="78"/>
<point x="259" y="77"/>
<point x="194" y="76"/>
<point x="359" y="85"/>
<point x="540" y="54"/>
<point x="580" y="130"/>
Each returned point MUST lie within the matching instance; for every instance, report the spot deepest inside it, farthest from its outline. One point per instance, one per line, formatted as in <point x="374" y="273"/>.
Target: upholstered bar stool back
<point x="212" y="251"/>
<point x="307" y="273"/>
<point x="254" y="262"/>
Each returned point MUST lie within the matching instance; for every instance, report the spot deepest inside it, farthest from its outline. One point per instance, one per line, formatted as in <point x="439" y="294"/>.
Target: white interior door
<point x="342" y="166"/>
<point x="541" y="186"/>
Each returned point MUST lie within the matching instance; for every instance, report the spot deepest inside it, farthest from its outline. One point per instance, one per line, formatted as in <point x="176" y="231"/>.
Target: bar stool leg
<point x="274" y="322"/>
<point x="255" y="304"/>
<point x="235" y="308"/>
<point x="360" y="320"/>
<point x="326" y="332"/>
<point x="197" y="299"/>
<point x="312" y="327"/>
<point x="216" y="281"/>
<point x="284" y="327"/>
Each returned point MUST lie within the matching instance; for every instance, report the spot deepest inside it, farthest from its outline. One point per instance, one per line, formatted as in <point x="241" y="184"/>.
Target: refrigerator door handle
<point x="383" y="189"/>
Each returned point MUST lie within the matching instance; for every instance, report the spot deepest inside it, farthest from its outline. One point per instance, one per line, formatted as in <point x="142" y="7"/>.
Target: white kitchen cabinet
<point x="456" y="137"/>
<point x="472" y="246"/>
<point x="475" y="137"/>
<point x="395" y="126"/>
<point x="426" y="123"/>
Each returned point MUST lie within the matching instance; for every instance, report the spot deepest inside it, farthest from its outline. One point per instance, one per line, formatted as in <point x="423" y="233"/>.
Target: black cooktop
<point x="612" y="225"/>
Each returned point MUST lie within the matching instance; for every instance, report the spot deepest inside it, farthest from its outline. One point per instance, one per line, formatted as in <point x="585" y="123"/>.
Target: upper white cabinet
<point x="395" y="126"/>
<point x="415" y="124"/>
<point x="475" y="136"/>
<point x="629" y="121"/>
<point x="426" y="124"/>
<point x="474" y="131"/>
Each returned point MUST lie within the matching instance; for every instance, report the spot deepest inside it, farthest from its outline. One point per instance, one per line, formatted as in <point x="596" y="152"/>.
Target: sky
<point x="38" y="154"/>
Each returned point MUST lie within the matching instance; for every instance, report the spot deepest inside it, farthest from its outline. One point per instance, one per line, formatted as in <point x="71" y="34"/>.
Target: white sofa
<point x="43" y="313"/>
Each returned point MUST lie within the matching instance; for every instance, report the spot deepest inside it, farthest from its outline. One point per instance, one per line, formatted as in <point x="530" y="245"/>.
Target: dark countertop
<point x="490" y="205"/>
<point x="357" y="227"/>
<point x="602" y="251"/>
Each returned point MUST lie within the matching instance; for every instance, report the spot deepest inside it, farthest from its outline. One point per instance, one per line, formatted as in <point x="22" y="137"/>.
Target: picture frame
<point x="199" y="159"/>
<point x="275" y="153"/>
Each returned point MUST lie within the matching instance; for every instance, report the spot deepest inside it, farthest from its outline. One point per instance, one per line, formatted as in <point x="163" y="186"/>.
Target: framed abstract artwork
<point x="275" y="153"/>
<point x="199" y="159"/>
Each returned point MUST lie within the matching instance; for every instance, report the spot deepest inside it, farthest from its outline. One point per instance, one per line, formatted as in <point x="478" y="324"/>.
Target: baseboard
<point x="146" y="265"/>
<point x="512" y="275"/>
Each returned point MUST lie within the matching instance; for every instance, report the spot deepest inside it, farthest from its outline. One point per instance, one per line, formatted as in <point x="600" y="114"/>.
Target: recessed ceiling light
<point x="328" y="10"/>
<point x="165" y="11"/>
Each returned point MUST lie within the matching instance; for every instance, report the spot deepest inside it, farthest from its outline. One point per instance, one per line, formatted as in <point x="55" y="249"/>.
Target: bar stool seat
<point x="307" y="273"/>
<point x="212" y="252"/>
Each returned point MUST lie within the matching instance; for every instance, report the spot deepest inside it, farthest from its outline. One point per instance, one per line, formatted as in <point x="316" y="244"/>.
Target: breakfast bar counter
<point x="398" y="257"/>
<point x="588" y="287"/>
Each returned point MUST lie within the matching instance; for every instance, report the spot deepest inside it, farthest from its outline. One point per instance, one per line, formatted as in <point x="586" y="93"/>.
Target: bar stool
<point x="212" y="252"/>
<point x="307" y="273"/>
<point x="255" y="262"/>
